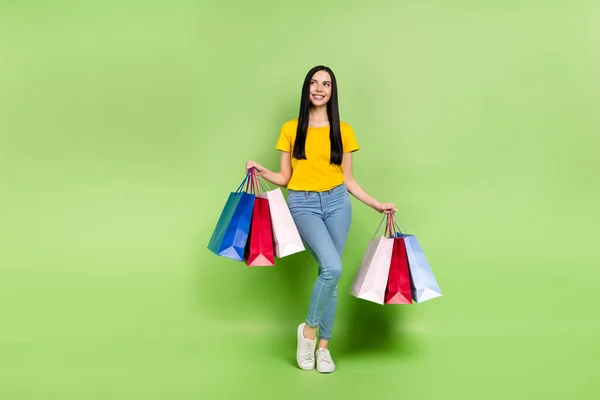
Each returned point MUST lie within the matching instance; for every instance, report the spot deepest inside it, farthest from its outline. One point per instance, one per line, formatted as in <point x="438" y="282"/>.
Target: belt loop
<point x="306" y="194"/>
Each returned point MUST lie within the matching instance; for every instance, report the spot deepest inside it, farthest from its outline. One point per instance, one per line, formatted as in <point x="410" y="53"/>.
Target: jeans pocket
<point x="295" y="197"/>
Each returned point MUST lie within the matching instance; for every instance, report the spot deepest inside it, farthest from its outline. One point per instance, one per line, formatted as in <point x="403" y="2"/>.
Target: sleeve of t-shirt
<point x="350" y="143"/>
<point x="284" y="143"/>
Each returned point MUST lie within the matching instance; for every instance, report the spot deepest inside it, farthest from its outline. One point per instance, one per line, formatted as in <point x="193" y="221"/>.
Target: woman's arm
<point x="280" y="178"/>
<point x="356" y="191"/>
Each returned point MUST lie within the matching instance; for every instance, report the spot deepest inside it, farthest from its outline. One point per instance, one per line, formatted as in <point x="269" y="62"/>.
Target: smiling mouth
<point x="318" y="97"/>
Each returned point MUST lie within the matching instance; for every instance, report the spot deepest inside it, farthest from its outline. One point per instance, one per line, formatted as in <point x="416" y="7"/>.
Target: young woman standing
<point x="316" y="167"/>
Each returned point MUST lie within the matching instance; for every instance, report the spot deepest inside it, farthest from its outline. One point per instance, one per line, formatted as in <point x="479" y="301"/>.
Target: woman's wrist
<point x="375" y="205"/>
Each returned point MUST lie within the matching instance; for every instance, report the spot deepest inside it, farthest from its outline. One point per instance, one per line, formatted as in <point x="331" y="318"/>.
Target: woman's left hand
<point x="385" y="207"/>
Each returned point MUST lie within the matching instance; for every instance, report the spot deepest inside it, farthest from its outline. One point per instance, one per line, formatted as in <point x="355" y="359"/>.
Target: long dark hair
<point x="333" y="112"/>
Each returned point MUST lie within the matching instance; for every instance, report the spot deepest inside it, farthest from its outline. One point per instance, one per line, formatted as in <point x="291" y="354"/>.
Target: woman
<point x="316" y="167"/>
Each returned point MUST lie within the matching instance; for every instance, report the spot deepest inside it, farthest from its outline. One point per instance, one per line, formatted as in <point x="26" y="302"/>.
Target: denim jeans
<point x="323" y="221"/>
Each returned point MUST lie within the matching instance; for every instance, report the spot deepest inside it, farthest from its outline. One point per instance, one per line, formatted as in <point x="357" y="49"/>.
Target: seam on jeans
<point x="316" y="303"/>
<point x="321" y="201"/>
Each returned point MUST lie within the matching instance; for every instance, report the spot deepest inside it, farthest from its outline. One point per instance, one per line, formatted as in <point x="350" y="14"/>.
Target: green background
<point x="125" y="124"/>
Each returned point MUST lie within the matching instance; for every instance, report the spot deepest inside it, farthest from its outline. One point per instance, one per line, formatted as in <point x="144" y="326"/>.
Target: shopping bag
<point x="370" y="281"/>
<point x="424" y="285"/>
<point x="398" y="289"/>
<point x="230" y="236"/>
<point x="287" y="240"/>
<point x="259" y="250"/>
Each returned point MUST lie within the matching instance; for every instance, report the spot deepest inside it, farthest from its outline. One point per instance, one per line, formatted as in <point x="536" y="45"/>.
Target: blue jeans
<point x="323" y="221"/>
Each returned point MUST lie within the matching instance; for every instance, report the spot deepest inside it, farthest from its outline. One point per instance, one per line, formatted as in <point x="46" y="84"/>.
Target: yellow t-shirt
<point x="315" y="173"/>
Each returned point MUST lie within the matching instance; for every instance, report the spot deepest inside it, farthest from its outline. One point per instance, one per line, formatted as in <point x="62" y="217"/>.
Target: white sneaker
<point x="305" y="353"/>
<point x="325" y="363"/>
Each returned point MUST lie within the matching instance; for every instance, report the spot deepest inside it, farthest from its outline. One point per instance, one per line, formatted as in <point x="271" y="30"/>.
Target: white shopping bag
<point x="371" y="278"/>
<point x="286" y="237"/>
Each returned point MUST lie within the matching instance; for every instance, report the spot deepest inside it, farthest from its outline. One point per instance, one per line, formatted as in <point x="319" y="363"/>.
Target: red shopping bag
<point x="260" y="249"/>
<point x="398" y="289"/>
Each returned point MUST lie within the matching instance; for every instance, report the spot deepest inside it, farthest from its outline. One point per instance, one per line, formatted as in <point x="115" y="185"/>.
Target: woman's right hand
<point x="251" y="164"/>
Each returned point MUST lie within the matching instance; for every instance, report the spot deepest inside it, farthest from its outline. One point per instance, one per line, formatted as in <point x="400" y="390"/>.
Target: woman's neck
<point x="318" y="116"/>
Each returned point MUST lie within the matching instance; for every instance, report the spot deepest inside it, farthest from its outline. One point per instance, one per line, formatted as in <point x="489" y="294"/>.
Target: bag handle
<point x="391" y="225"/>
<point x="396" y="222"/>
<point x="255" y="189"/>
<point x="245" y="181"/>
<point x="379" y="227"/>
<point x="262" y="182"/>
<point x="251" y="183"/>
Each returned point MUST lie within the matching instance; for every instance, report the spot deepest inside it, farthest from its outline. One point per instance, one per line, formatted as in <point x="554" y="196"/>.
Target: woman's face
<point x="320" y="88"/>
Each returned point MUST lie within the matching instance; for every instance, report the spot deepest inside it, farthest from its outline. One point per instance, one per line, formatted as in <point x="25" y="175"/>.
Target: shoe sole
<point x="325" y="372"/>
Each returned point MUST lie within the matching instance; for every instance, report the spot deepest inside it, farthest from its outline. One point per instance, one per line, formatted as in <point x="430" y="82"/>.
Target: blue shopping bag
<point x="424" y="285"/>
<point x="230" y="236"/>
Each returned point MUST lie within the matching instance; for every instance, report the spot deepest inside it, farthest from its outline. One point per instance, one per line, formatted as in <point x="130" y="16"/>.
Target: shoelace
<point x="309" y="351"/>
<point x="323" y="356"/>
